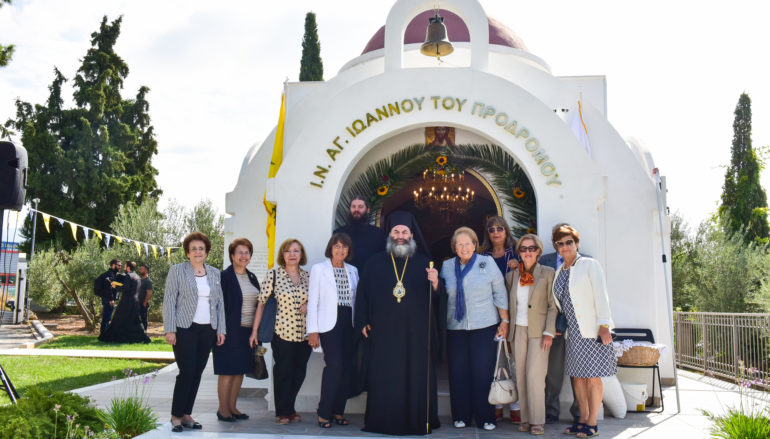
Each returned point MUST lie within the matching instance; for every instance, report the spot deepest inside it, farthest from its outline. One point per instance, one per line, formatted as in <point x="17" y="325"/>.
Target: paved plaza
<point x="697" y="393"/>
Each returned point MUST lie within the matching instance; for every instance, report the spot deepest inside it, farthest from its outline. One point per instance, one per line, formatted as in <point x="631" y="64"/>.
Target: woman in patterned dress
<point x="288" y="283"/>
<point x="581" y="295"/>
<point x="235" y="357"/>
<point x="330" y="325"/>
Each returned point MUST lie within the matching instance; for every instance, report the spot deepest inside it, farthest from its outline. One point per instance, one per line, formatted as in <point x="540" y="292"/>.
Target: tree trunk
<point x="87" y="317"/>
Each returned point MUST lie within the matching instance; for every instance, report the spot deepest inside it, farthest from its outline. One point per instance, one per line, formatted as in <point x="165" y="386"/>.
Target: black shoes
<point x="225" y="418"/>
<point x="195" y="425"/>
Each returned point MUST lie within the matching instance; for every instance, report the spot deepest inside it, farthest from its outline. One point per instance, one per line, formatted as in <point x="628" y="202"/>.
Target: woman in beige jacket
<point x="533" y="311"/>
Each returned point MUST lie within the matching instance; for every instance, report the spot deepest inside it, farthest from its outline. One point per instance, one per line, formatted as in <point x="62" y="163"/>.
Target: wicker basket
<point x="639" y="356"/>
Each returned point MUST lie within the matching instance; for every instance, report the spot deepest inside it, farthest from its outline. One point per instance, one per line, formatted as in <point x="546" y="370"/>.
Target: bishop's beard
<point x="401" y="250"/>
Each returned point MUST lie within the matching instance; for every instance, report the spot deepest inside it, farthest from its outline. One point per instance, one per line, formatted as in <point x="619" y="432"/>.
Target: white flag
<point x="579" y="128"/>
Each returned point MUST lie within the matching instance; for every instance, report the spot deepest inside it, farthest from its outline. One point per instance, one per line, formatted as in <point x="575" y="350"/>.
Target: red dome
<point x="457" y="31"/>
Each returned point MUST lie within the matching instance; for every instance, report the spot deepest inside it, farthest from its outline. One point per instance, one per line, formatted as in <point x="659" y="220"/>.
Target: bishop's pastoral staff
<point x="395" y="310"/>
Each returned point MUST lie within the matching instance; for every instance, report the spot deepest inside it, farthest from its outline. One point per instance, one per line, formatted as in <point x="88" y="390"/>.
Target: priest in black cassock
<point x="395" y="305"/>
<point x="367" y="239"/>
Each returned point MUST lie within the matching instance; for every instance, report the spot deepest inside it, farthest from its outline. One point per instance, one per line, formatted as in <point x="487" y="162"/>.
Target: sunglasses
<point x="567" y="243"/>
<point x="531" y="248"/>
<point x="494" y="229"/>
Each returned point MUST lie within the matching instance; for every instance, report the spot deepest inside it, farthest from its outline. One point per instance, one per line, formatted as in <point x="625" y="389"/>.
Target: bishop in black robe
<point x="400" y="362"/>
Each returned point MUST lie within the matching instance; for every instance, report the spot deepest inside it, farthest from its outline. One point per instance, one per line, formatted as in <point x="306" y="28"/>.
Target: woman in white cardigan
<point x="581" y="294"/>
<point x="331" y="296"/>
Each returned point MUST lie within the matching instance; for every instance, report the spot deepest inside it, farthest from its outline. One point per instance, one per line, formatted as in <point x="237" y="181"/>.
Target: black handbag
<point x="267" y="324"/>
<point x="561" y="323"/>
<point x="260" y="368"/>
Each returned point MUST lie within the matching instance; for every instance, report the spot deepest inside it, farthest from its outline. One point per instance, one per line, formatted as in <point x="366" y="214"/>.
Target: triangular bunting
<point x="98" y="233"/>
<point x="85" y="232"/>
<point x="47" y="222"/>
<point x="107" y="238"/>
<point x="138" y="248"/>
<point x="74" y="228"/>
<point x="155" y="251"/>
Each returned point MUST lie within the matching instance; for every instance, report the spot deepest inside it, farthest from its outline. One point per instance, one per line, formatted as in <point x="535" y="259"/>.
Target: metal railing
<point x="720" y="343"/>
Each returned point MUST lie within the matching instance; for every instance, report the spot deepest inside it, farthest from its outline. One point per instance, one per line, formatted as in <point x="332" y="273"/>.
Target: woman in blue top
<point x="477" y="312"/>
<point x="500" y="244"/>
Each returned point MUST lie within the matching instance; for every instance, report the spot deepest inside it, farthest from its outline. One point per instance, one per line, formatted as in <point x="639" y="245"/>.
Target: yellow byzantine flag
<point x="74" y="228"/>
<point x="138" y="248"/>
<point x="98" y="233"/>
<point x="155" y="251"/>
<point x="47" y="222"/>
<point x="275" y="163"/>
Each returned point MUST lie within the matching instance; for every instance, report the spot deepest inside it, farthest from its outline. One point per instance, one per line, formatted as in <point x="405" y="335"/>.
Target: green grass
<point x="64" y="373"/>
<point x="91" y="342"/>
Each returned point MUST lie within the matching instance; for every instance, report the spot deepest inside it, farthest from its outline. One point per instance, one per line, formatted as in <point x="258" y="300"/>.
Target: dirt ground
<point x="73" y="324"/>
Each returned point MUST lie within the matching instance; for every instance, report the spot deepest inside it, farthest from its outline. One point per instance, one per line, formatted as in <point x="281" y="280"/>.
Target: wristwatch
<point x="506" y="321"/>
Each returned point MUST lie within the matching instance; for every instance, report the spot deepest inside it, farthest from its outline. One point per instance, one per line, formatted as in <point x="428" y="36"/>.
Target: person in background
<point x="367" y="239"/>
<point x="581" y="293"/>
<point x="477" y="309"/>
<point x="500" y="244"/>
<point x="331" y="296"/>
<point x="532" y="308"/>
<point x="145" y="292"/>
<point x="125" y="325"/>
<point x="235" y="357"/>
<point x="288" y="283"/>
<point x="104" y="288"/>
<point x="193" y="320"/>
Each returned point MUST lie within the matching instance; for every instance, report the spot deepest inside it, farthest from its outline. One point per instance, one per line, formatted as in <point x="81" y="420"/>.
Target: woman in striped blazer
<point x="193" y="320"/>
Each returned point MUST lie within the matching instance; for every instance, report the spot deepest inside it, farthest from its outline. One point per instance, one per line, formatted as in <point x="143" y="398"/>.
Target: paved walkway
<point x="15" y="336"/>
<point x="697" y="393"/>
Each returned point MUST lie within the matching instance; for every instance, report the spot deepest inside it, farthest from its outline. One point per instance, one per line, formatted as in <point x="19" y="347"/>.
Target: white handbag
<point x="503" y="388"/>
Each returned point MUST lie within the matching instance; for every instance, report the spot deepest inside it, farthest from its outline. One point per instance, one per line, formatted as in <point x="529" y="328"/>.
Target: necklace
<point x="399" y="291"/>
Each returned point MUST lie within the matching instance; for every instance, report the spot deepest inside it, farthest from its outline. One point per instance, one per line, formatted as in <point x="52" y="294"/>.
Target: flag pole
<point x="670" y="303"/>
<point x="427" y="384"/>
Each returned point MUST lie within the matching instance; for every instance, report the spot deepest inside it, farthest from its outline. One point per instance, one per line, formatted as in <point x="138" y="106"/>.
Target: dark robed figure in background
<point x="126" y="326"/>
<point x="399" y="397"/>
<point x="367" y="239"/>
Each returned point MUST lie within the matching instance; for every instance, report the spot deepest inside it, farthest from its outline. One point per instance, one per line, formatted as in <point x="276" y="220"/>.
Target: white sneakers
<point x="488" y="426"/>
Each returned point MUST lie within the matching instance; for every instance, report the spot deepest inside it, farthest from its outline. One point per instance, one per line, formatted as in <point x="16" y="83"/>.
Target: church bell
<point x="436" y="42"/>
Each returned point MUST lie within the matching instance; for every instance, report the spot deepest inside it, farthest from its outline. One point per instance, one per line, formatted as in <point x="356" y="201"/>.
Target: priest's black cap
<point x="404" y="218"/>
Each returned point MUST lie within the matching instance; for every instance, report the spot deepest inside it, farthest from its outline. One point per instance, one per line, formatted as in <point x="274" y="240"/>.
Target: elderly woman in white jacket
<point x="331" y="297"/>
<point x="581" y="293"/>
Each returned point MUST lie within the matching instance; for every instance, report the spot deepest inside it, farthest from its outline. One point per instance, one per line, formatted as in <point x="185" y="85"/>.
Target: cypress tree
<point x="311" y="67"/>
<point x="744" y="202"/>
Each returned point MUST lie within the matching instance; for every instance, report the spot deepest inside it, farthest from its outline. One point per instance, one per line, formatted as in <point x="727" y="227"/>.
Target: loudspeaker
<point x="13" y="175"/>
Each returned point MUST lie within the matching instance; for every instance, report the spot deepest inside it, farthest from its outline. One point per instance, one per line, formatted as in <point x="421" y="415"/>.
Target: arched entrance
<point x="500" y="184"/>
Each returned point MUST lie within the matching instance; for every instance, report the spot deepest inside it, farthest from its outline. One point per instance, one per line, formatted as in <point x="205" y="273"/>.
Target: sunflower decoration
<point x="441" y="160"/>
<point x="383" y="188"/>
<point x="518" y="193"/>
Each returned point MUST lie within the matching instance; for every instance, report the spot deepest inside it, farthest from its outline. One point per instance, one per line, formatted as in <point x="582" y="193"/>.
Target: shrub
<point x="129" y="414"/>
<point x="43" y="414"/>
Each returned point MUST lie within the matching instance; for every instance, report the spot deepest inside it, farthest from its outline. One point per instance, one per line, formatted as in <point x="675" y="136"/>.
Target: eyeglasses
<point x="567" y="243"/>
<point x="339" y="246"/>
<point x="197" y="249"/>
<point x="494" y="229"/>
<point x="531" y="248"/>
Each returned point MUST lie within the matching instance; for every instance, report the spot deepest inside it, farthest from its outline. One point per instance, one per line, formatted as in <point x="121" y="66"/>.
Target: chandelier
<point x="442" y="189"/>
